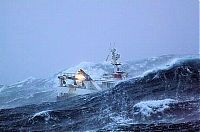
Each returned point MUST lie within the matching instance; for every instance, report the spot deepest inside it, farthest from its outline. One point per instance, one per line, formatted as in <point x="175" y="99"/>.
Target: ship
<point x="80" y="83"/>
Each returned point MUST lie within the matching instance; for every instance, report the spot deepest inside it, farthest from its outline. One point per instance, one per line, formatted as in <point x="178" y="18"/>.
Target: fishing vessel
<point x="79" y="83"/>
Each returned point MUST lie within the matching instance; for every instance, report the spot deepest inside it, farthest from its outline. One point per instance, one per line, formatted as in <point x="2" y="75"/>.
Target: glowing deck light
<point x="80" y="77"/>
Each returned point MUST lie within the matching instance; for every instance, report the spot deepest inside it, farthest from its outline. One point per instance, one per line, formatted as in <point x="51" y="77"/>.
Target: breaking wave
<point x="161" y="99"/>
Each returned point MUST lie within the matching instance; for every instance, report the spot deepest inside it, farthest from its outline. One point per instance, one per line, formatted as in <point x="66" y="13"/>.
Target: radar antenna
<point x="115" y="57"/>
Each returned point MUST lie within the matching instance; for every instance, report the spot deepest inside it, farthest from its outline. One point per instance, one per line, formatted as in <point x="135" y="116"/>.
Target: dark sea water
<point x="164" y="100"/>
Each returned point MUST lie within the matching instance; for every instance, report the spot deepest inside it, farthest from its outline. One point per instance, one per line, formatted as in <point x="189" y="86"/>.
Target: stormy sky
<point x="41" y="37"/>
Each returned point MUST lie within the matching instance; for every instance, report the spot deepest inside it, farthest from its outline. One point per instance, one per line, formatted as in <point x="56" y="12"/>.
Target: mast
<point x="115" y="58"/>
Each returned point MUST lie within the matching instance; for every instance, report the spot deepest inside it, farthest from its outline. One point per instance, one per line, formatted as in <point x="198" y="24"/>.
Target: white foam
<point x="29" y="79"/>
<point x="146" y="108"/>
<point x="43" y="114"/>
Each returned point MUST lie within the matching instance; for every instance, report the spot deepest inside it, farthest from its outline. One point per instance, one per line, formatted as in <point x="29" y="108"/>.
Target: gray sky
<point x="41" y="37"/>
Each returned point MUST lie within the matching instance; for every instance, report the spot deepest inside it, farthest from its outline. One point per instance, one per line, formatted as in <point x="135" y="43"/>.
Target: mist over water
<point x="40" y="38"/>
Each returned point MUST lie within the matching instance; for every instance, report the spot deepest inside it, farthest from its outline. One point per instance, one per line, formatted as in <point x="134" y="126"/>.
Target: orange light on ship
<point x="80" y="77"/>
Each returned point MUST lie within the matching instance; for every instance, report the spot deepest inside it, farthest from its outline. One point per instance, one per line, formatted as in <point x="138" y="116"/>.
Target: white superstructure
<point x="82" y="83"/>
